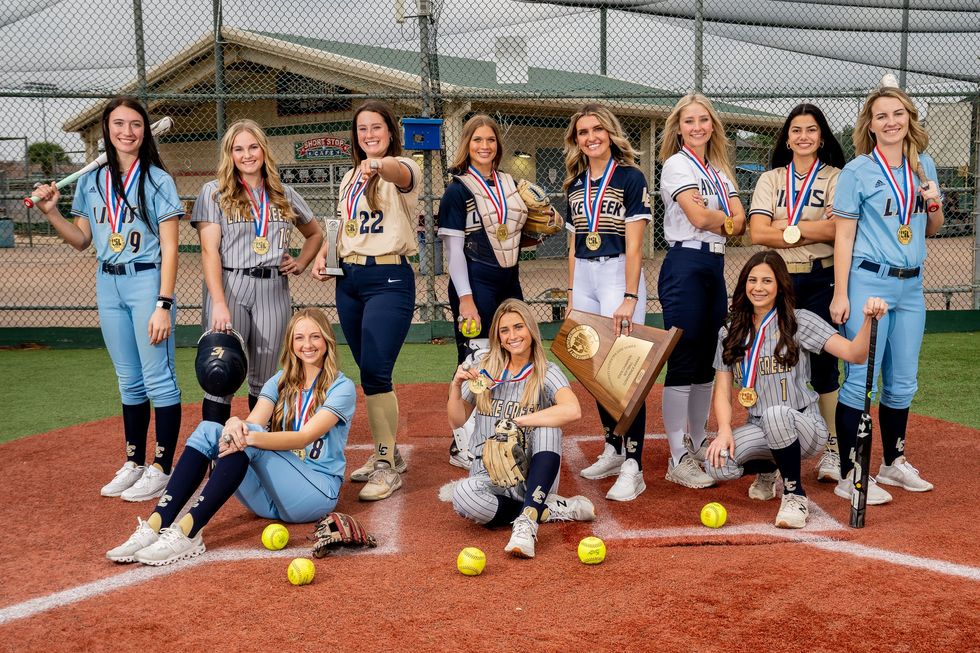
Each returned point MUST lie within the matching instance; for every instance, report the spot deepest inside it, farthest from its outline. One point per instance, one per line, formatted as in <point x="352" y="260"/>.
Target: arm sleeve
<point x="457" y="264"/>
<point x="340" y="400"/>
<point x="764" y="197"/>
<point x="166" y="202"/>
<point x="676" y="177"/>
<point x="636" y="198"/>
<point x="304" y="214"/>
<point x="847" y="194"/>
<point x="812" y="332"/>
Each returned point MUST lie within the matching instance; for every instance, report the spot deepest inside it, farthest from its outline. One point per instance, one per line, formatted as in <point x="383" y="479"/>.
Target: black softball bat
<point x="862" y="449"/>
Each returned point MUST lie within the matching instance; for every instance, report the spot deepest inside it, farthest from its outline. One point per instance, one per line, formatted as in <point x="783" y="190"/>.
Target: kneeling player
<point x="516" y="392"/>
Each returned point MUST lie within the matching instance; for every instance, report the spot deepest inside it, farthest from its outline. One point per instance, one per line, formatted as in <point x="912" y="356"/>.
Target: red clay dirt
<point x="744" y="587"/>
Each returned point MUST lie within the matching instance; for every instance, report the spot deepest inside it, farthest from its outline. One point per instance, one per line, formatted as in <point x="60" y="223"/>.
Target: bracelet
<point x="165" y="302"/>
<point x="629" y="295"/>
<point x="569" y="290"/>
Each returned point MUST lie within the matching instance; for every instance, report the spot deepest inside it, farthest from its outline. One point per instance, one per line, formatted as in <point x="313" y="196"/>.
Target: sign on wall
<point x="323" y="148"/>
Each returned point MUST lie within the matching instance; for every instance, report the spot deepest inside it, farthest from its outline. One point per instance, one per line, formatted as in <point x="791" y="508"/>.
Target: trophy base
<point x="332" y="272"/>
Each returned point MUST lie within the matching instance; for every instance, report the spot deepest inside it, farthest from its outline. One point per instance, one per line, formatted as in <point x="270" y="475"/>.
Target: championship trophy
<point x="617" y="371"/>
<point x="332" y="261"/>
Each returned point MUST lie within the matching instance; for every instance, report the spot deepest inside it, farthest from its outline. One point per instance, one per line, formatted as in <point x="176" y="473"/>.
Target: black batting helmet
<point x="221" y="364"/>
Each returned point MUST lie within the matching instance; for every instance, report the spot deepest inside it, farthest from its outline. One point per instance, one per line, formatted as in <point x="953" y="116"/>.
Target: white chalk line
<point x="388" y="513"/>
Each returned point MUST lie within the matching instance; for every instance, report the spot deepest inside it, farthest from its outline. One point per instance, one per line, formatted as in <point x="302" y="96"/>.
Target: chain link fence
<point x="300" y="68"/>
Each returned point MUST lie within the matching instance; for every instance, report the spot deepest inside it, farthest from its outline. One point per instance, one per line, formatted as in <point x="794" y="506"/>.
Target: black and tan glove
<point x="336" y="530"/>
<point x="504" y="454"/>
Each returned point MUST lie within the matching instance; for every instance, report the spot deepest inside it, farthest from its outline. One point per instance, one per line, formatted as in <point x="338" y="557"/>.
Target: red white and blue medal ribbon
<point x="591" y="207"/>
<point x="354" y="193"/>
<point x="520" y="376"/>
<point x="260" y="211"/>
<point x="114" y="205"/>
<point x="750" y="364"/>
<point x="713" y="177"/>
<point x="796" y="201"/>
<point x="495" y="194"/>
<point x="304" y="405"/>
<point x="906" y="199"/>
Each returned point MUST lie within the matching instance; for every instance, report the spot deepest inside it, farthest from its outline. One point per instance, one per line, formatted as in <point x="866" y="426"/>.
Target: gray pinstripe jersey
<point x="506" y="403"/>
<point x="775" y="383"/>
<point x="238" y="231"/>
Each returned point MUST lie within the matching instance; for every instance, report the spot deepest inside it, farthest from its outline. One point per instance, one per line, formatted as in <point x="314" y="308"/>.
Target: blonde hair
<point x="461" y="161"/>
<point x="293" y="380"/>
<point x="716" y="151"/>
<point x="233" y="198"/>
<point x="916" y="140"/>
<point x="496" y="360"/>
<point x="575" y="160"/>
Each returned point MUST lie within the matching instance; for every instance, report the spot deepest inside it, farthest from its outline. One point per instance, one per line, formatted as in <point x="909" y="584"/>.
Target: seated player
<point x="291" y="475"/>
<point x="515" y="383"/>
<point x="767" y="341"/>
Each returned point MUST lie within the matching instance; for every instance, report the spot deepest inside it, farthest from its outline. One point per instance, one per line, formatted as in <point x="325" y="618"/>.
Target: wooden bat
<point x="862" y="449"/>
<point x="161" y="126"/>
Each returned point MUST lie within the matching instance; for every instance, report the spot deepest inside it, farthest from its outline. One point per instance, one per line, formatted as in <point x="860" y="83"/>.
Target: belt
<point x="602" y="259"/>
<point x="387" y="259"/>
<point x="257" y="273"/>
<point x="713" y="248"/>
<point x="899" y="273"/>
<point x="123" y="268"/>
<point x="808" y="267"/>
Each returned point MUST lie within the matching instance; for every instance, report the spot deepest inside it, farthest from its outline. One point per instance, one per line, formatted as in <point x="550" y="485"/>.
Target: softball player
<point x="765" y="349"/>
<point x="608" y="210"/>
<point x="702" y="209"/>
<point x="129" y="209"/>
<point x="292" y="475"/>
<point x="376" y="295"/>
<point x="887" y="202"/>
<point x="533" y="392"/>
<point x="796" y="224"/>
<point x="480" y="219"/>
<point x="245" y="219"/>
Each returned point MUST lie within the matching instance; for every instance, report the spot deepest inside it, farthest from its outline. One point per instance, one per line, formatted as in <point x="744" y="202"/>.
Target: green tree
<point x="846" y="142"/>
<point x="47" y="155"/>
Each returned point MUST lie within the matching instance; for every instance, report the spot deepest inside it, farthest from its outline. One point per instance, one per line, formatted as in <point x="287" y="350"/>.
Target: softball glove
<point x="336" y="530"/>
<point x="504" y="454"/>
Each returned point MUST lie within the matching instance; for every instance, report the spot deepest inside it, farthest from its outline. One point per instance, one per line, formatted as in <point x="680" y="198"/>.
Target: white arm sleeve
<point x="457" y="264"/>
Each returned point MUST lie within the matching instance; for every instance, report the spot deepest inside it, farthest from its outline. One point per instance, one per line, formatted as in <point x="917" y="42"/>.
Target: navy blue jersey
<point x="458" y="216"/>
<point x="626" y="200"/>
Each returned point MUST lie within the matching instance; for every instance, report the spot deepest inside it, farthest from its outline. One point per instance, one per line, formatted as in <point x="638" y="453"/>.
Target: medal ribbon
<point x="795" y="202"/>
<point x="750" y="364"/>
<point x="353" y="196"/>
<point x="113" y="205"/>
<point x="905" y="200"/>
<point x="304" y="404"/>
<point x="520" y="376"/>
<point x="260" y="211"/>
<point x="591" y="207"/>
<point x="713" y="177"/>
<point x="496" y="194"/>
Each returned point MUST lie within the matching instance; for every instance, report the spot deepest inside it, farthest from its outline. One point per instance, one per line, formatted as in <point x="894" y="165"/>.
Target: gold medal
<point x="116" y="242"/>
<point x="905" y="234"/>
<point x="747" y="397"/>
<point x="478" y="385"/>
<point x="260" y="245"/>
<point x="502" y="232"/>
<point x="350" y="228"/>
<point x="791" y="234"/>
<point x="593" y="241"/>
<point x="729" y="226"/>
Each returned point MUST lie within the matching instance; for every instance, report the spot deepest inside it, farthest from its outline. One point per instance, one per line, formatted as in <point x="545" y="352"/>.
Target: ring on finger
<point x="625" y="324"/>
<point x="226" y="438"/>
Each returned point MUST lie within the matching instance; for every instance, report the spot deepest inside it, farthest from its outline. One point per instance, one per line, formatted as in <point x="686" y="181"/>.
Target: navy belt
<point x="898" y="273"/>
<point x="121" y="268"/>
<point x="258" y="273"/>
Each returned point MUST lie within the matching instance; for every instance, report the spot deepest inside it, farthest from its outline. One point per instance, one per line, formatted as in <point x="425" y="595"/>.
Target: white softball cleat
<point x="877" y="495"/>
<point x="607" y="464"/>
<point x="902" y="474"/>
<point x="172" y="546"/>
<point x="828" y="471"/>
<point x="688" y="473"/>
<point x="793" y="511"/>
<point x="142" y="538"/>
<point x="577" y="508"/>
<point x="630" y="483"/>
<point x="150" y="485"/>
<point x="763" y="488"/>
<point x="522" y="538"/>
<point x="124" y="479"/>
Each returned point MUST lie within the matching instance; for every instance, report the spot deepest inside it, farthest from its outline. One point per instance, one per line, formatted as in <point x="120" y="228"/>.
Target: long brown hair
<point x="741" y="329"/>
<point x="619" y="146"/>
<point x="461" y="161"/>
<point x="496" y="360"/>
<point x="715" y="152"/>
<point x="916" y="140"/>
<point x="231" y="194"/>
<point x="293" y="380"/>
<point x="358" y="154"/>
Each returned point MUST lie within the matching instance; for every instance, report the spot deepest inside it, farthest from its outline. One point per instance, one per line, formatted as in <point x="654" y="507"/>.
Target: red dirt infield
<point x="909" y="581"/>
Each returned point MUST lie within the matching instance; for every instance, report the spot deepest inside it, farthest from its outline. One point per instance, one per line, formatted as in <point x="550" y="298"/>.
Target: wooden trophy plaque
<point x="618" y="371"/>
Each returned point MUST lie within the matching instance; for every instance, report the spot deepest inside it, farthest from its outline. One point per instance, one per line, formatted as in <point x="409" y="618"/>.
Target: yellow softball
<point x="471" y="561"/>
<point x="470" y="328"/>
<point x="275" y="537"/>
<point x="591" y="550"/>
<point x="301" y="571"/>
<point x="713" y="515"/>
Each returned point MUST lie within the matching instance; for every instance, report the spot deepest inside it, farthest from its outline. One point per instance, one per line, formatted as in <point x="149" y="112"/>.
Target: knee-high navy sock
<point x="168" y="430"/>
<point x="225" y="479"/>
<point x="507" y="511"/>
<point x="540" y="478"/>
<point x="252" y="400"/>
<point x="758" y="467"/>
<point x="892" y="423"/>
<point x="136" y="421"/>
<point x="847" y="419"/>
<point x="608" y="423"/>
<point x="788" y="461"/>
<point x="635" y="435"/>
<point x="187" y="475"/>
<point x="215" y="411"/>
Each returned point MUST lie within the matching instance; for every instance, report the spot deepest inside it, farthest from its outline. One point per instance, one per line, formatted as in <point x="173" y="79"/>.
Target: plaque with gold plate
<point x="617" y="370"/>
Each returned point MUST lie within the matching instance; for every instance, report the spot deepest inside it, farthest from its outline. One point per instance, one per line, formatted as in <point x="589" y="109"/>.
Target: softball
<point x="591" y="550"/>
<point x="471" y="561"/>
<point x="275" y="537"/>
<point x="301" y="571"/>
<point x="470" y="328"/>
<point x="713" y="515"/>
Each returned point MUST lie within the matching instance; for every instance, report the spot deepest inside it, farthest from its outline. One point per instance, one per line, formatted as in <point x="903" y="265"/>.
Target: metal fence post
<point x="219" y="72"/>
<point x="425" y="17"/>
<point x="976" y="199"/>
<point x="699" y="47"/>
<point x="140" y="51"/>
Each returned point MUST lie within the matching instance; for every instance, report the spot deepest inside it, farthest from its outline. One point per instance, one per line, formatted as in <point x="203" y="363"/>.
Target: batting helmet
<point x="221" y="364"/>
